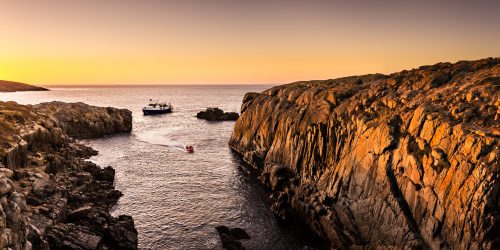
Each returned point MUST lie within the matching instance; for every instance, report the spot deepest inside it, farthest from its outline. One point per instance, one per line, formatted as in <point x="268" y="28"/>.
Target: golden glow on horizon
<point x="223" y="42"/>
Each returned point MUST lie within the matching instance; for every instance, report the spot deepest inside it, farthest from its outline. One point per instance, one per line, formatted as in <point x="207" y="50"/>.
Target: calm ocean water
<point x="176" y="198"/>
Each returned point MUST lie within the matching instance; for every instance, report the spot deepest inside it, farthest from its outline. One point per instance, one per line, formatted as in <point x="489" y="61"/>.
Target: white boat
<point x="155" y="107"/>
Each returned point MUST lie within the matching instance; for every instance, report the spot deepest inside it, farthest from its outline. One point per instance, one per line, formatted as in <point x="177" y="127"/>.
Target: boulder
<point x="122" y="233"/>
<point x="43" y="187"/>
<point x="231" y="237"/>
<point x="79" y="213"/>
<point x="216" y="114"/>
<point x="6" y="186"/>
<point x="6" y="172"/>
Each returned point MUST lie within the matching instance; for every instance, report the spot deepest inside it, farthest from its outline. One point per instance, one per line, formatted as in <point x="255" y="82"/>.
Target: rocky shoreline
<point x="80" y="120"/>
<point x="408" y="160"/>
<point x="51" y="197"/>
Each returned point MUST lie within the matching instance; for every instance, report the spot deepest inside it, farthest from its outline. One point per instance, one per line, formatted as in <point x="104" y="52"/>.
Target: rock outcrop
<point x="216" y="114"/>
<point x="409" y="159"/>
<point x="231" y="238"/>
<point x="51" y="197"/>
<point x="84" y="121"/>
<point x="8" y="86"/>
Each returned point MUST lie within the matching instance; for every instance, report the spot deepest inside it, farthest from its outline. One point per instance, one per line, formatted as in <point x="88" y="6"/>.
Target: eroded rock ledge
<point x="50" y="196"/>
<point x="84" y="121"/>
<point x="409" y="159"/>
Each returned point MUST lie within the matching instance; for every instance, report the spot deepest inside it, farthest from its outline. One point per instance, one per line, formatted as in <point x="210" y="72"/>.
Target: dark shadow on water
<point x="293" y="229"/>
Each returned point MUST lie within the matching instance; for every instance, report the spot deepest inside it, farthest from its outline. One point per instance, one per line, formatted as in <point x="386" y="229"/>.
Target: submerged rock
<point x="239" y="233"/>
<point x="231" y="237"/>
<point x="403" y="160"/>
<point x="216" y="114"/>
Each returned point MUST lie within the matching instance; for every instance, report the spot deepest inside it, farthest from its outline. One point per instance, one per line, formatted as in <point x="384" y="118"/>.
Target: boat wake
<point x="164" y="137"/>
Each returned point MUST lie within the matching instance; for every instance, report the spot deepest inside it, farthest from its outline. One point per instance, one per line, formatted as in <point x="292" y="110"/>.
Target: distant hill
<point x="8" y="86"/>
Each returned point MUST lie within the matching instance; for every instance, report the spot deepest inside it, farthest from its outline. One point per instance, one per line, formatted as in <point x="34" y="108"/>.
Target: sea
<point x="177" y="198"/>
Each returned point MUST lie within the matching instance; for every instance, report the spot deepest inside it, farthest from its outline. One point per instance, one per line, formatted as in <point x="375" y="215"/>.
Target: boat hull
<point x="156" y="112"/>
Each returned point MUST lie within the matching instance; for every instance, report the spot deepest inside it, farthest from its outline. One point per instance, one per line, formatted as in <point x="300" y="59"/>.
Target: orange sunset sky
<point x="230" y="42"/>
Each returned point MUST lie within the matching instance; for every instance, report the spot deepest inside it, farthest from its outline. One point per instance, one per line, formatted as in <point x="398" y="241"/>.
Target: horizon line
<point x="150" y="84"/>
<point x="250" y="84"/>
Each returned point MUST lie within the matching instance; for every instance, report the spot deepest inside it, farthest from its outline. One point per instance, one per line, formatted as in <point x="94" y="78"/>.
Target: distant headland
<point x="9" y="86"/>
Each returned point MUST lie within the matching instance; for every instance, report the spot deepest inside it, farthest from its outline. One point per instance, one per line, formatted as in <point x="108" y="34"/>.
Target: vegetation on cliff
<point x="8" y="86"/>
<point x="409" y="159"/>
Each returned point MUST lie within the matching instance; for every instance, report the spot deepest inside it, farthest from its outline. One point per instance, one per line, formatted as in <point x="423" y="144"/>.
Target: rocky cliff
<point x="85" y="121"/>
<point x="50" y="196"/>
<point x="409" y="159"/>
<point x="8" y="86"/>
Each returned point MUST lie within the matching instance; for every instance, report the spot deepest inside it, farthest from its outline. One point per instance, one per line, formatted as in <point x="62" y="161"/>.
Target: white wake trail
<point x="164" y="137"/>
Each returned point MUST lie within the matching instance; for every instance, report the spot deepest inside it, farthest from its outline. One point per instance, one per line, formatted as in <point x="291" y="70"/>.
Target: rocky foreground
<point x="52" y="198"/>
<point x="409" y="159"/>
<point x="8" y="86"/>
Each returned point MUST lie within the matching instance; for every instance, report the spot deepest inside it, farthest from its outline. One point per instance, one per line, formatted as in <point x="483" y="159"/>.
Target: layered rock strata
<point x="51" y="197"/>
<point x="85" y="121"/>
<point x="409" y="159"/>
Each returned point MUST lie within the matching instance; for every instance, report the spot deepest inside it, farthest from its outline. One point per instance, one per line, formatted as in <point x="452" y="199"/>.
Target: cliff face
<point x="84" y="121"/>
<point x="50" y="196"/>
<point x="408" y="159"/>
<point x="8" y="86"/>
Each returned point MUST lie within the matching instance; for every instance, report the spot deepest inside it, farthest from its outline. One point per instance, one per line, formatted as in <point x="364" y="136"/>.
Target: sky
<point x="50" y="42"/>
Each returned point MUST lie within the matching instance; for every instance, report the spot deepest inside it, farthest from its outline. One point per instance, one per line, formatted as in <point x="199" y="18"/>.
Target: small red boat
<point x="189" y="149"/>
